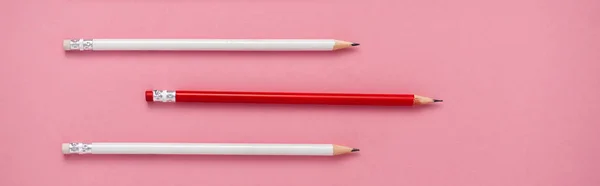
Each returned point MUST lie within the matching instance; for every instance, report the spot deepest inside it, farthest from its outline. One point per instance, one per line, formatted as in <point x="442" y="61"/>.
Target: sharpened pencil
<point x="287" y="98"/>
<point x="207" y="149"/>
<point x="206" y="44"/>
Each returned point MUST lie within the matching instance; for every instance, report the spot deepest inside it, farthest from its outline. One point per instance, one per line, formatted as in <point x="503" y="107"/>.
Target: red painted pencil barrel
<point x="284" y="98"/>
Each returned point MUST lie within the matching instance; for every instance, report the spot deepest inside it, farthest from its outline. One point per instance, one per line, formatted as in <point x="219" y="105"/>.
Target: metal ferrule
<point x="80" y="148"/>
<point x="163" y="95"/>
<point x="81" y="44"/>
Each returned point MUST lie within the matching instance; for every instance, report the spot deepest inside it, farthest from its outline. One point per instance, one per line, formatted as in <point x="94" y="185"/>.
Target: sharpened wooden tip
<point x="343" y="44"/>
<point x="339" y="150"/>
<point x="422" y="100"/>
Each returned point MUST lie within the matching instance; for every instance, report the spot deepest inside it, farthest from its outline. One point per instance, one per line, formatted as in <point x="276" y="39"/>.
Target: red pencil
<point x="287" y="98"/>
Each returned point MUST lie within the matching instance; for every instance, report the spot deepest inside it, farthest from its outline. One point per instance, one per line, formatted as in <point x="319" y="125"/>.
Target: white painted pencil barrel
<point x="199" y="148"/>
<point x="199" y="44"/>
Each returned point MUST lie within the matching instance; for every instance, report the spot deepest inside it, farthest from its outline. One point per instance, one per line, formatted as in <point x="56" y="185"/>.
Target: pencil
<point x="207" y="149"/>
<point x="287" y="98"/>
<point x="205" y="44"/>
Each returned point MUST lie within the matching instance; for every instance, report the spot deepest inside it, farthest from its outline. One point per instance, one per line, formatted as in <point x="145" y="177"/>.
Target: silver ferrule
<point x="77" y="148"/>
<point x="163" y="95"/>
<point x="79" y="44"/>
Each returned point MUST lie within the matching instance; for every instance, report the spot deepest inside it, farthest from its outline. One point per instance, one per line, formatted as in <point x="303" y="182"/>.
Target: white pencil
<point x="207" y="149"/>
<point x="205" y="44"/>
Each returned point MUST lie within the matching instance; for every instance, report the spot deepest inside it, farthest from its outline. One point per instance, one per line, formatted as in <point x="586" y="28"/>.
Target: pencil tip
<point x="355" y="44"/>
<point x="355" y="150"/>
<point x="438" y="100"/>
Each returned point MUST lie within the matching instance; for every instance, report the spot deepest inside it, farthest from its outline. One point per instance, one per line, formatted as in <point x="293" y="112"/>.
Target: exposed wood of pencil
<point x="422" y="100"/>
<point x="339" y="150"/>
<point x="341" y="44"/>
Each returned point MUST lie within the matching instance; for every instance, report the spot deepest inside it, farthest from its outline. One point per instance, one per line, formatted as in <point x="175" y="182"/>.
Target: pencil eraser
<point x="66" y="44"/>
<point x="65" y="148"/>
<point x="149" y="96"/>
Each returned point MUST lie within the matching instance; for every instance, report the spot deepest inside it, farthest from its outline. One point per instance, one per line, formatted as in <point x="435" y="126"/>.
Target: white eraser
<point x="66" y="45"/>
<point x="65" y="148"/>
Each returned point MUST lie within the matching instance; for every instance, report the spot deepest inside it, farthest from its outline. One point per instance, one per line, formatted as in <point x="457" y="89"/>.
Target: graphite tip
<point x="355" y="44"/>
<point x="355" y="150"/>
<point x="438" y="100"/>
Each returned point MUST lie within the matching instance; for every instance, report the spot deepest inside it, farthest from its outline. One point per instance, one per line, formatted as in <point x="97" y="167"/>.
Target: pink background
<point x="519" y="77"/>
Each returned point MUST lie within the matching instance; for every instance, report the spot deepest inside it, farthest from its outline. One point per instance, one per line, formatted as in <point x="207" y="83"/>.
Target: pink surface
<point x="519" y="77"/>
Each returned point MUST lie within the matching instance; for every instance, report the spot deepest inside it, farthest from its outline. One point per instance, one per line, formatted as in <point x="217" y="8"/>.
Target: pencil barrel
<point x="200" y="44"/>
<point x="280" y="98"/>
<point x="200" y="149"/>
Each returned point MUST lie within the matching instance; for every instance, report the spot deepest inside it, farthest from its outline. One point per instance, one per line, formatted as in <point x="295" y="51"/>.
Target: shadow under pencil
<point x="211" y="54"/>
<point x="100" y="158"/>
<point x="292" y="107"/>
